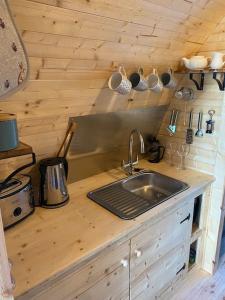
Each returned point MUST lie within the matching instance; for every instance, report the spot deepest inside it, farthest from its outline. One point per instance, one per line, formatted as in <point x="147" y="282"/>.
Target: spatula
<point x="67" y="139"/>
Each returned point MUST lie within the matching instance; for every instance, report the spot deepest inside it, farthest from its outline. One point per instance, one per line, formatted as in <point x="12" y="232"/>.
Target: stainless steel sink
<point x="136" y="194"/>
<point x="153" y="187"/>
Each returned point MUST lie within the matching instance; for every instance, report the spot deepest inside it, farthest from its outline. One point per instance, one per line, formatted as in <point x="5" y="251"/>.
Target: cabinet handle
<point x="138" y="253"/>
<point x="186" y="219"/>
<point x="181" y="269"/>
<point x="124" y="263"/>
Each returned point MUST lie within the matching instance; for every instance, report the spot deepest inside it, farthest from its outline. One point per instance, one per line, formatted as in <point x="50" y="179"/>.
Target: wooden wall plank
<point x="207" y="154"/>
<point x="73" y="47"/>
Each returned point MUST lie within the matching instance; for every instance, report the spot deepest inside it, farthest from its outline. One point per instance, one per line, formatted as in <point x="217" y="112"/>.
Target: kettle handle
<point x="65" y="164"/>
<point x="163" y="152"/>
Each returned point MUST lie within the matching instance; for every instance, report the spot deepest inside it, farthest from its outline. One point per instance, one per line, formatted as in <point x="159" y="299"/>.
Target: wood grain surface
<point x="74" y="46"/>
<point x="51" y="241"/>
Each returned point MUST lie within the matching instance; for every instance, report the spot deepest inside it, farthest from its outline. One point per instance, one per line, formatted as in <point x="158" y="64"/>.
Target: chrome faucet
<point x="128" y="166"/>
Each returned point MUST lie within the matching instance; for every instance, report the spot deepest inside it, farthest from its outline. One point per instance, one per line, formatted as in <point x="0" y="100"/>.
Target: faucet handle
<point x="127" y="167"/>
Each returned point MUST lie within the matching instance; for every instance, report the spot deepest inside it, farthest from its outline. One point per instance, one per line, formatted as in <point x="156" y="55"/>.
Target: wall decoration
<point x="13" y="58"/>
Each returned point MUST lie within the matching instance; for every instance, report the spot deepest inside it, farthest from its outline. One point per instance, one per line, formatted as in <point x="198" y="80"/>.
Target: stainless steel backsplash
<point x="100" y="142"/>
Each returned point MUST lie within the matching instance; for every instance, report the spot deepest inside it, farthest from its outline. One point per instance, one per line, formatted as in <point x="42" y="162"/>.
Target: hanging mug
<point x="154" y="82"/>
<point x="138" y="81"/>
<point x="168" y="79"/>
<point x="119" y="82"/>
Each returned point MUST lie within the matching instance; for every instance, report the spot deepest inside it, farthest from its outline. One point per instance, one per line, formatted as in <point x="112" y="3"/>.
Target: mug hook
<point x="122" y="70"/>
<point x="140" y="70"/>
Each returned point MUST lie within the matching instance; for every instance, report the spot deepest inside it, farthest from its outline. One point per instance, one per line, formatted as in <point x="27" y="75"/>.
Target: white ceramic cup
<point x="119" y="82"/>
<point x="154" y="82"/>
<point x="138" y="81"/>
<point x="168" y="79"/>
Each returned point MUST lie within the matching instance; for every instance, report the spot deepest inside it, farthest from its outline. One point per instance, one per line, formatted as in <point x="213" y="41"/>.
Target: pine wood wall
<point x="73" y="46"/>
<point x="216" y="42"/>
<point x="207" y="154"/>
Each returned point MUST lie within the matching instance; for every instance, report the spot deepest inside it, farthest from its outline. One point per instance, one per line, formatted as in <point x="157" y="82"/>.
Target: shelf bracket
<point x="199" y="85"/>
<point x="221" y="83"/>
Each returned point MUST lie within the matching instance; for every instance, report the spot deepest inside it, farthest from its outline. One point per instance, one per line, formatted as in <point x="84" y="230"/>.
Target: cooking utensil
<point x="68" y="136"/>
<point x="199" y="132"/>
<point x="210" y="123"/>
<point x="184" y="93"/>
<point x="170" y="126"/>
<point x="190" y="133"/>
<point x="174" y="126"/>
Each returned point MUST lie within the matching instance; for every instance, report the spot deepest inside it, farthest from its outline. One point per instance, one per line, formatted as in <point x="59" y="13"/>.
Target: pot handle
<point x="65" y="164"/>
<point x="2" y="184"/>
<point x="163" y="152"/>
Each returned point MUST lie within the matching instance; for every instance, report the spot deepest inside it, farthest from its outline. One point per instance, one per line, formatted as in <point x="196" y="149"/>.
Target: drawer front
<point x="157" y="240"/>
<point x="104" y="277"/>
<point x="160" y="275"/>
<point x="113" y="287"/>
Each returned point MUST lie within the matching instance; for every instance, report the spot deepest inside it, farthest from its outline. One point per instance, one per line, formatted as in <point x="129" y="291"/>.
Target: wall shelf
<point x="192" y="255"/>
<point x="196" y="233"/>
<point x="199" y="83"/>
<point x="22" y="149"/>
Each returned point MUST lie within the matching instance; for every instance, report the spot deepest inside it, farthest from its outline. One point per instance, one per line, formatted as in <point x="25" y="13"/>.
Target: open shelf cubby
<point x="193" y="254"/>
<point x="196" y="230"/>
<point x="22" y="149"/>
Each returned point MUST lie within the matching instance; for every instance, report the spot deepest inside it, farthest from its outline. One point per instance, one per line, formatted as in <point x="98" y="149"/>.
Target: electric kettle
<point x="53" y="175"/>
<point x="53" y="188"/>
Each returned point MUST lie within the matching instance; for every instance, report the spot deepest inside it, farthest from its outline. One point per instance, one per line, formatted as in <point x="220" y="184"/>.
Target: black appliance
<point x="156" y="151"/>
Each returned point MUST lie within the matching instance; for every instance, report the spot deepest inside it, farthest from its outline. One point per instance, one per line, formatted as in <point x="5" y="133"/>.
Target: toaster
<point x="16" y="200"/>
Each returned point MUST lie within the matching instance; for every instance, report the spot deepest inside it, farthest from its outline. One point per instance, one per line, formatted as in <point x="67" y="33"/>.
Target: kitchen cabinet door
<point x="150" y="248"/>
<point x="103" y="277"/>
<point x="6" y="285"/>
<point x="159" y="276"/>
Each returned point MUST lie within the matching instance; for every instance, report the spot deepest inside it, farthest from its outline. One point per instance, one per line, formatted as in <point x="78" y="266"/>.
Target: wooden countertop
<point x="52" y="240"/>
